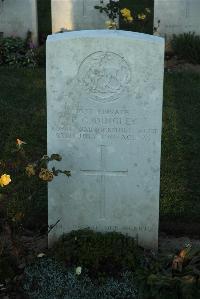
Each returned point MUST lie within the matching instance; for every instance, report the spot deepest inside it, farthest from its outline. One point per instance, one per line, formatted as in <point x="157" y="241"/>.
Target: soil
<point x="16" y="251"/>
<point x="173" y="64"/>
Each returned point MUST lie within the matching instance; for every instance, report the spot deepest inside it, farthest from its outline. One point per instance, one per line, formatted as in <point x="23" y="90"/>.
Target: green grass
<point x="180" y="171"/>
<point x="23" y="115"/>
<point x="23" y="110"/>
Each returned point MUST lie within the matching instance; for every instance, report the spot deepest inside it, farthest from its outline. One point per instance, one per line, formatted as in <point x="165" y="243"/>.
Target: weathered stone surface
<point x="17" y="17"/>
<point x="177" y="16"/>
<point x="76" y="15"/>
<point x="104" y="101"/>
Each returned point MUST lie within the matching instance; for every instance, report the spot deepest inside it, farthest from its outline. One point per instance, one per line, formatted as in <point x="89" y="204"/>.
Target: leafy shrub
<point x="102" y="254"/>
<point x="187" y="46"/>
<point x="21" y="52"/>
<point x="25" y="198"/>
<point x="47" y="279"/>
<point x="15" y="51"/>
<point x="26" y="195"/>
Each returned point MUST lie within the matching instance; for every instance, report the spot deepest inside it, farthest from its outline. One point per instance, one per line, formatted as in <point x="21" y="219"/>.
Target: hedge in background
<point x="187" y="46"/>
<point x="16" y="51"/>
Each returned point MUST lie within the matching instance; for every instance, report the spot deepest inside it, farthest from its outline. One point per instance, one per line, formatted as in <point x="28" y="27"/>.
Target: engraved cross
<point x="102" y="173"/>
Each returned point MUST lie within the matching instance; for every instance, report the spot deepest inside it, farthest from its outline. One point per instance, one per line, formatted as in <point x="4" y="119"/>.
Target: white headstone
<point x="177" y="16"/>
<point x="76" y="15"/>
<point x="104" y="101"/>
<point x="17" y="17"/>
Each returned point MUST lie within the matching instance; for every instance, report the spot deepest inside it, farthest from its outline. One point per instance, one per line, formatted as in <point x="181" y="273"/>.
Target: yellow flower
<point x="46" y="175"/>
<point x="108" y="23"/>
<point x="5" y="180"/>
<point x="111" y="24"/>
<point x="30" y="170"/>
<point x="141" y="16"/>
<point x="126" y="13"/>
<point x="129" y="19"/>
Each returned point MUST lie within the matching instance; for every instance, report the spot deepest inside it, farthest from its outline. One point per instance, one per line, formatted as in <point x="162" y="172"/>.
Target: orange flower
<point x="20" y="142"/>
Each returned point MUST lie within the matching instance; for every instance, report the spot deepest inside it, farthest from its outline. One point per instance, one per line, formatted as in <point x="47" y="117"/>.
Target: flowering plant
<point x="26" y="177"/>
<point x="126" y="17"/>
<point x="39" y="167"/>
<point x="111" y="10"/>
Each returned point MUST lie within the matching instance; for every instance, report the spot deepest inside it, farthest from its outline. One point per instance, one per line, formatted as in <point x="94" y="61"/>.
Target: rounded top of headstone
<point x="105" y="33"/>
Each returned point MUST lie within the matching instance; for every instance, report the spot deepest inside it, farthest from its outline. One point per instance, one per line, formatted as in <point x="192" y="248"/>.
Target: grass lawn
<point x="23" y="110"/>
<point x="23" y="115"/>
<point x="180" y="171"/>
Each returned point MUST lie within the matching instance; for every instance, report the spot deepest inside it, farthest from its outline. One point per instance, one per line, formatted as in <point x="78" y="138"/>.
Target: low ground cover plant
<point x="102" y="254"/>
<point x="48" y="279"/>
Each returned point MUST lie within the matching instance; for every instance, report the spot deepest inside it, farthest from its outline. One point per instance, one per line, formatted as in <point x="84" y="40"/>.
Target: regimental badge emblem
<point x="104" y="76"/>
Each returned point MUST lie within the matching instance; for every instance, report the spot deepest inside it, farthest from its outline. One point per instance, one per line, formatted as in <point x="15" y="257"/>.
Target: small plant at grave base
<point x="114" y="11"/>
<point x="25" y="193"/>
<point x="101" y="254"/>
<point x="100" y="261"/>
<point x="170" y="276"/>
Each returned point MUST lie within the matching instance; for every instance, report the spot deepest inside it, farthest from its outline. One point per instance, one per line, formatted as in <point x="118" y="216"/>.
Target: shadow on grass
<point x="180" y="171"/>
